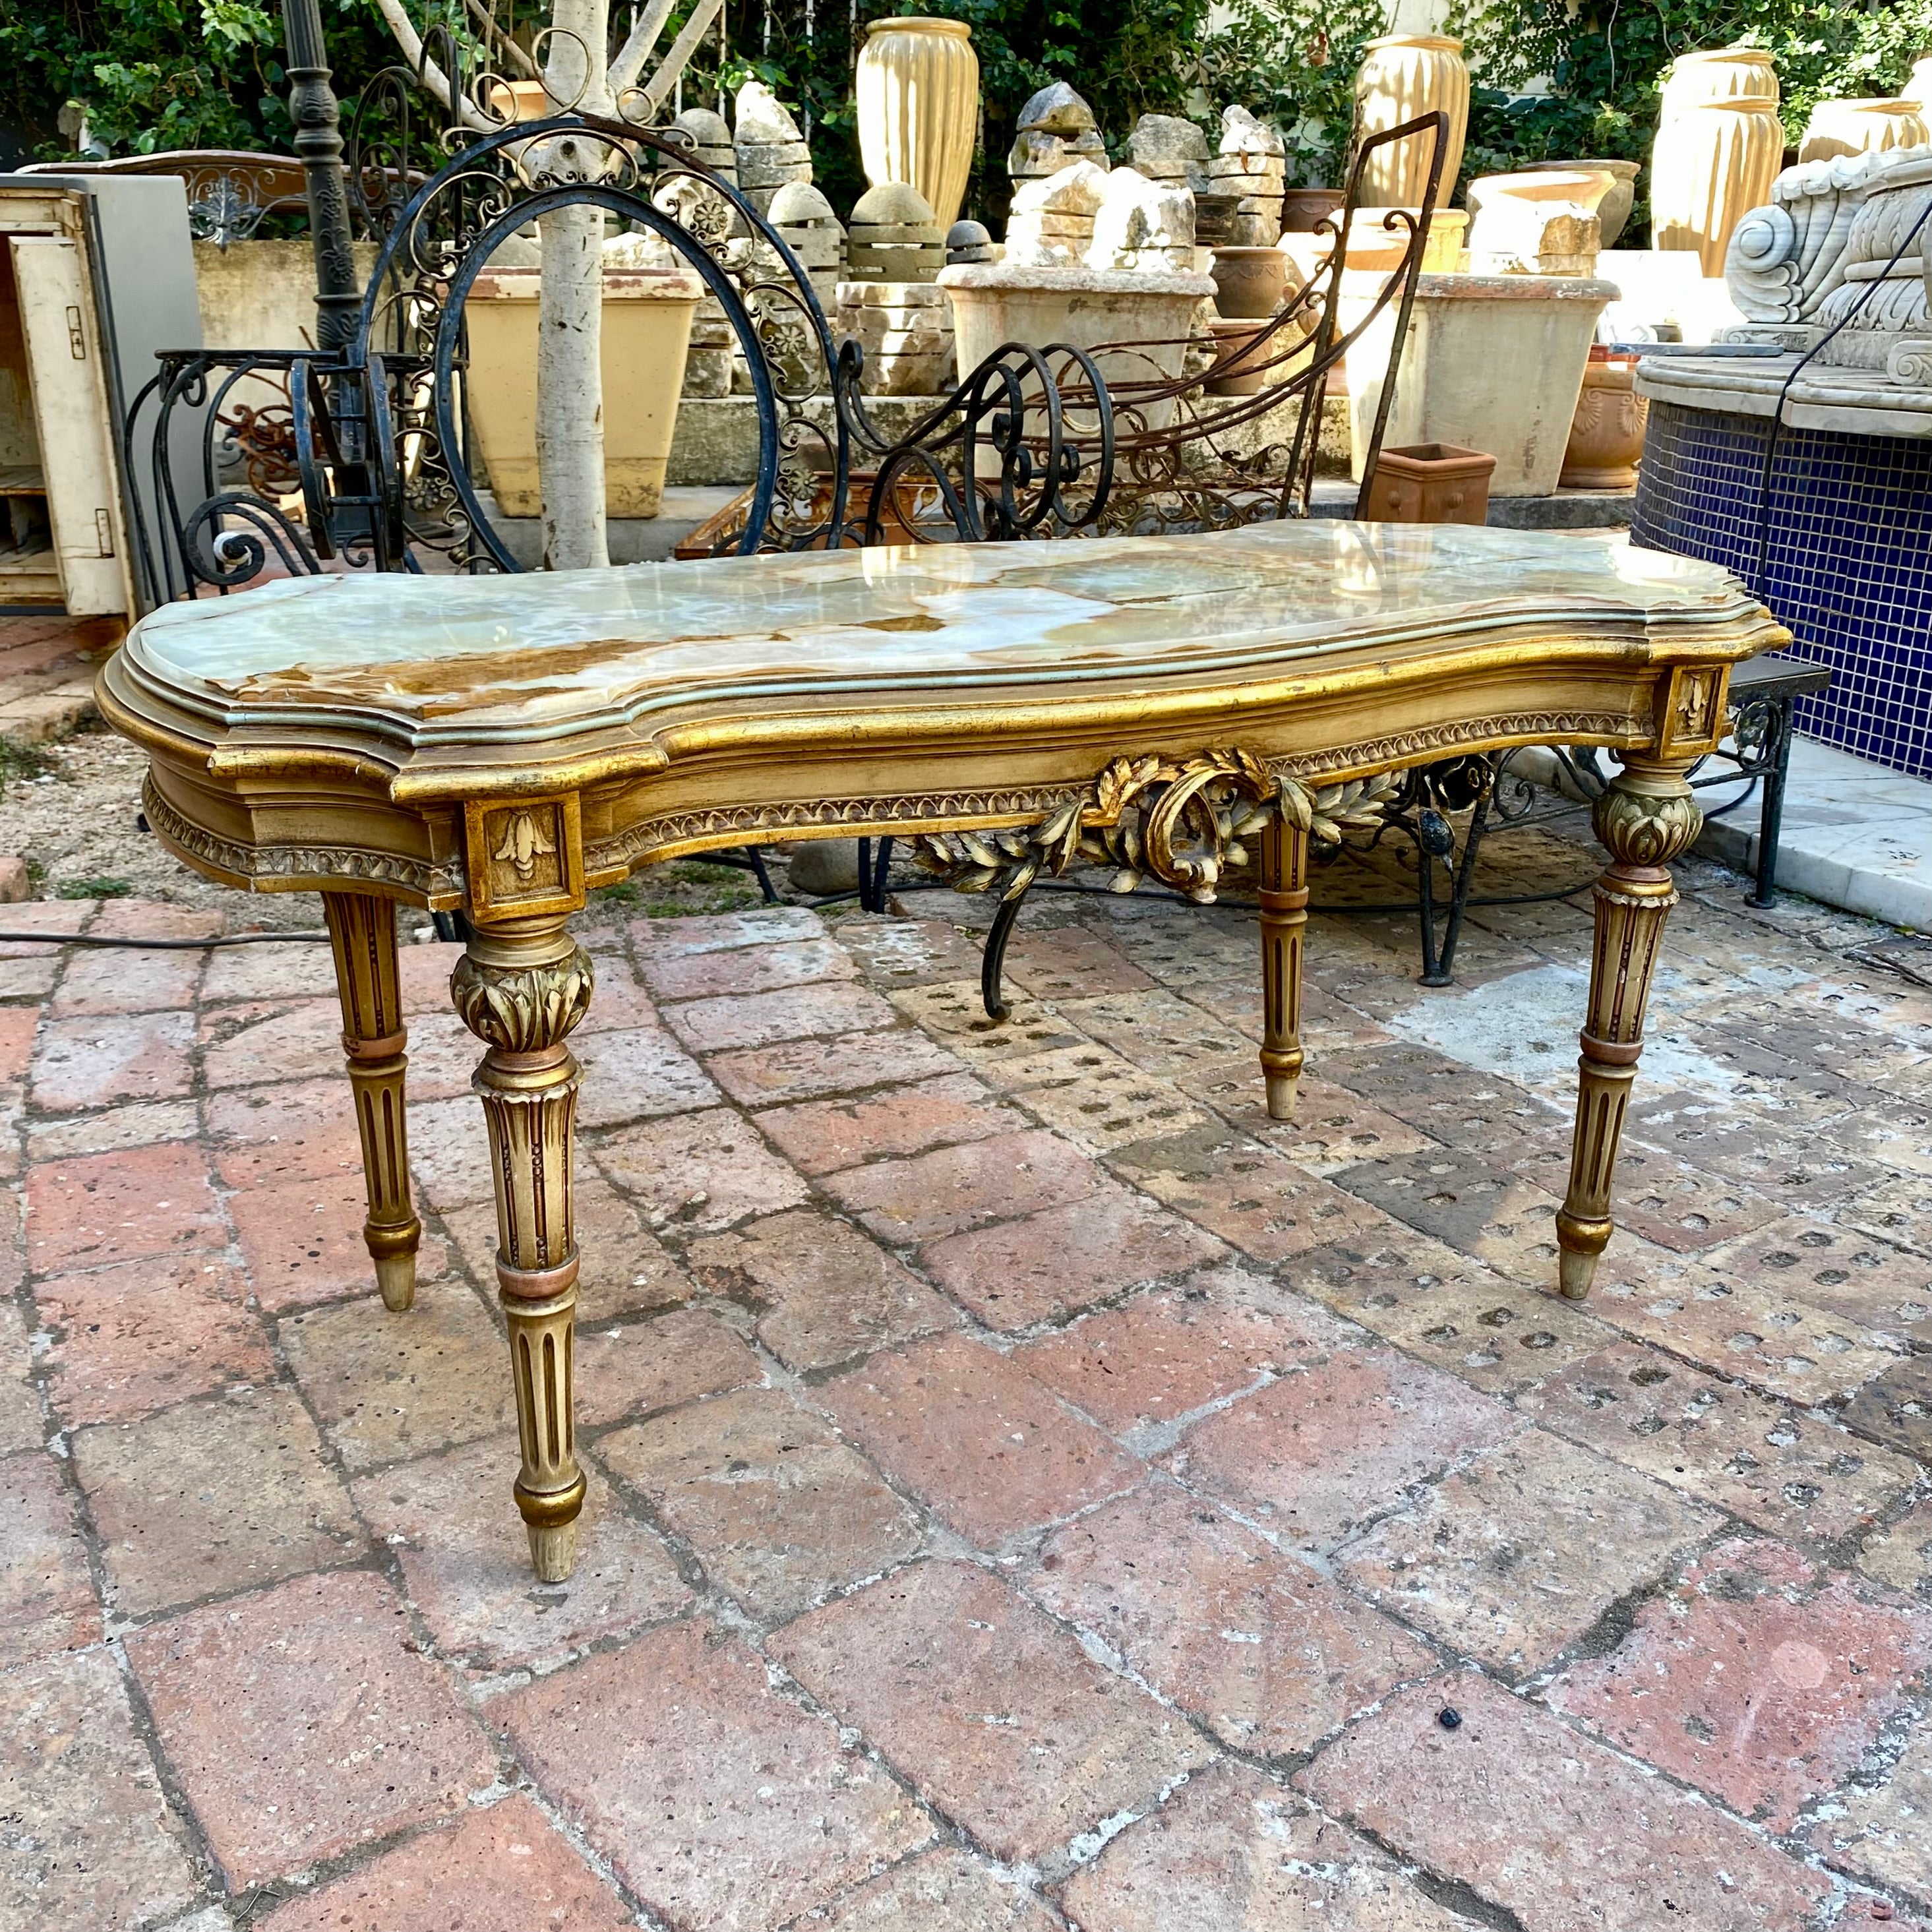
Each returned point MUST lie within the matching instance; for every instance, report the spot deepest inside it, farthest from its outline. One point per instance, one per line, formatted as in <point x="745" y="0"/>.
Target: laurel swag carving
<point x="1181" y="822"/>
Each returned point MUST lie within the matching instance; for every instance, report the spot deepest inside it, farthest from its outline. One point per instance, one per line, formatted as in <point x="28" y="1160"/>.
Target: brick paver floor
<point x="1028" y="1487"/>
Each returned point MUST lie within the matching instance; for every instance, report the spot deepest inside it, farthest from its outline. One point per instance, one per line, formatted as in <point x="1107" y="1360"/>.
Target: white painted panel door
<point x="68" y="379"/>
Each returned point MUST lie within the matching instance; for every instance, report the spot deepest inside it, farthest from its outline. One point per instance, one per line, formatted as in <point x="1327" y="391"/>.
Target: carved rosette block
<point x="1647" y="817"/>
<point x="522" y="992"/>
<point x="1284" y="902"/>
<point x="362" y="935"/>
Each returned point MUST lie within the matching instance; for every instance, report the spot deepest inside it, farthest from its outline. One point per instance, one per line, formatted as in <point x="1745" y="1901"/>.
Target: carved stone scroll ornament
<point x="1181" y="822"/>
<point x="1808" y="262"/>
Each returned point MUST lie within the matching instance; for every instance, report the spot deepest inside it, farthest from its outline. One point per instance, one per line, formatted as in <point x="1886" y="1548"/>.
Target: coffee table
<point x="504" y="745"/>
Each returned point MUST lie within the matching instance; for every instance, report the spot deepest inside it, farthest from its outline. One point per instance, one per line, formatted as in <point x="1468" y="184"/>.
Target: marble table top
<point x="453" y="661"/>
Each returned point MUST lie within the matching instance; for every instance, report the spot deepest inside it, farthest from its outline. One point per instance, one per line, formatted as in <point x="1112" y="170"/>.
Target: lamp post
<point x="312" y="107"/>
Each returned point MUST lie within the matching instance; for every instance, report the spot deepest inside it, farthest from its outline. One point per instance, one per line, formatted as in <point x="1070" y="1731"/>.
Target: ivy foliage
<point x="160" y="74"/>
<point x="1127" y="58"/>
<point x="1597" y="68"/>
<point x="1293" y="62"/>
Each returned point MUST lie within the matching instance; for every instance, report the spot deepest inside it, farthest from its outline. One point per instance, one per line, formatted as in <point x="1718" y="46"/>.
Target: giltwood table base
<point x="524" y="985"/>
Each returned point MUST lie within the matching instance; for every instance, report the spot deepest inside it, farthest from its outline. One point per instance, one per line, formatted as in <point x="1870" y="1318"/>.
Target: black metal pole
<point x="312" y="107"/>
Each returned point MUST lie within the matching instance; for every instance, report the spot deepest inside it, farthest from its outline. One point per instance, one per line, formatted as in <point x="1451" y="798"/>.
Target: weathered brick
<point x="1554" y="1828"/>
<point x="720" y="1802"/>
<point x="1270" y="1656"/>
<point x="302" y="1721"/>
<point x="997" y="1715"/>
<point x="778" y="1509"/>
<point x="1167" y="1356"/>
<point x="970" y="1433"/>
<point x="1018" y="1274"/>
<point x="506" y="1869"/>
<point x="1232" y="1851"/>
<point x="1792" y="1474"/>
<point x="1336" y="1442"/>
<point x="453" y="1526"/>
<point x="1758" y="1676"/>
<point x="1513" y="1557"/>
<point x="825" y="1292"/>
<point x="136" y="1336"/>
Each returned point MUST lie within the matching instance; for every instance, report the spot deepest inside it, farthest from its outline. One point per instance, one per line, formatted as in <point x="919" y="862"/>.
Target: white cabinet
<point x="68" y="247"/>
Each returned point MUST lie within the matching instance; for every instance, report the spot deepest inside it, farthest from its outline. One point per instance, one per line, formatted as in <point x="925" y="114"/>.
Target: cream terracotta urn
<point x="1838" y="127"/>
<point x="1719" y="145"/>
<point x="646" y="331"/>
<point x="1402" y="76"/>
<point x="918" y="94"/>
<point x="1917" y="90"/>
<point x="1607" y="433"/>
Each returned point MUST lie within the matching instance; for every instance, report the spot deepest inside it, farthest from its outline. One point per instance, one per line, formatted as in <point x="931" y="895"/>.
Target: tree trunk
<point x="570" y="397"/>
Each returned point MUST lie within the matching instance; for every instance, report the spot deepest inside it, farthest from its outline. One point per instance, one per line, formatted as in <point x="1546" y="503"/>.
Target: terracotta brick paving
<point x="1028" y="1487"/>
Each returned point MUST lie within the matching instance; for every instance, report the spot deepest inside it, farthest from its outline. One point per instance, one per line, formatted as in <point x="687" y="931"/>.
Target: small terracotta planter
<point x="1304" y="209"/>
<point x="1249" y="282"/>
<point x="1237" y="372"/>
<point x="1431" y="483"/>
<point x="1606" y="433"/>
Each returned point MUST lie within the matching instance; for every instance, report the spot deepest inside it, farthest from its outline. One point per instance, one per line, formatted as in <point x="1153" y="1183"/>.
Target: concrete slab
<point x="1856" y="834"/>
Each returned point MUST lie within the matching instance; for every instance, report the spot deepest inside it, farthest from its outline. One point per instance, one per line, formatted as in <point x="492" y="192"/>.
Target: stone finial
<point x="707" y="129"/>
<point x="1242" y="134"/>
<point x="762" y="121"/>
<point x="1142" y="224"/>
<point x="1051" y="223"/>
<point x="800" y="205"/>
<point x="967" y="242"/>
<point x="1164" y="147"/>
<point x="1057" y="110"/>
<point x="893" y="237"/>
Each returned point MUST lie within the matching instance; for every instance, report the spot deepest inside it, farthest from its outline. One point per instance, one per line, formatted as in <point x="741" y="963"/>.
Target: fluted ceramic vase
<point x="1402" y="76"/>
<point x="918" y="89"/>
<point x="1861" y="127"/>
<point x="1719" y="145"/>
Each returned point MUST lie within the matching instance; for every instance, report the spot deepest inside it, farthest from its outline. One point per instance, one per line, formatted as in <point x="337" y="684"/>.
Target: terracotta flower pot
<point x="1613" y="211"/>
<point x="917" y="89"/>
<point x="646" y="333"/>
<point x="1606" y="433"/>
<point x="1236" y="371"/>
<point x="1304" y="209"/>
<point x="1431" y="483"/>
<point x="1248" y="281"/>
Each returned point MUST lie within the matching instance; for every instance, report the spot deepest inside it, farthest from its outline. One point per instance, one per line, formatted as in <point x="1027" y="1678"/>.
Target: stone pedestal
<point x="906" y="331"/>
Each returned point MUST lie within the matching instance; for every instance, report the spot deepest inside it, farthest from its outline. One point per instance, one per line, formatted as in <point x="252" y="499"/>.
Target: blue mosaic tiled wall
<point x="1849" y="566"/>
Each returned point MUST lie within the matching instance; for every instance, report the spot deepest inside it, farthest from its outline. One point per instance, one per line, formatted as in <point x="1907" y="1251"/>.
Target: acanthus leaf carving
<point x="522" y="1008"/>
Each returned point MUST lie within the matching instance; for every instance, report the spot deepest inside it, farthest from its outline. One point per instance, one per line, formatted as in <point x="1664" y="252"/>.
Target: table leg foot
<point x="1647" y="816"/>
<point x="521" y="989"/>
<point x="1284" y="902"/>
<point x="362" y="935"/>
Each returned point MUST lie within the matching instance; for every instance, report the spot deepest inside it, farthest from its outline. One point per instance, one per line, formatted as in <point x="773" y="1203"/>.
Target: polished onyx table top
<point x="439" y="660"/>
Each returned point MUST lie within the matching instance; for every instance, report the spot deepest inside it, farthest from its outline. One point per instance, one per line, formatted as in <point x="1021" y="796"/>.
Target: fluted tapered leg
<point x="1284" y="898"/>
<point x="1647" y="817"/>
<point x="362" y="932"/>
<point x="520" y="989"/>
